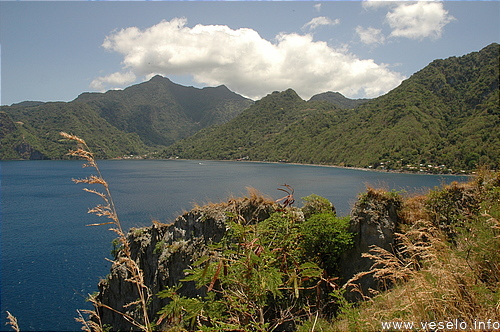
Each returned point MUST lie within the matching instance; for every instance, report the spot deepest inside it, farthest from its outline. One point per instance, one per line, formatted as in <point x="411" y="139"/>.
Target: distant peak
<point x="288" y="94"/>
<point x="28" y="103"/>
<point x="330" y="93"/>
<point x="219" y="87"/>
<point x="338" y="99"/>
<point x="291" y="94"/>
<point x="159" y="78"/>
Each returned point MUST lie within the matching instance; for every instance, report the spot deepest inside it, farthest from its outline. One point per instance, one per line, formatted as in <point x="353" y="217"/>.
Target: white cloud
<point x="369" y="4"/>
<point x="414" y="20"/>
<point x="418" y="20"/>
<point x="115" y="79"/>
<point x="317" y="7"/>
<point x="319" y="21"/>
<point x="245" y="62"/>
<point x="370" y="36"/>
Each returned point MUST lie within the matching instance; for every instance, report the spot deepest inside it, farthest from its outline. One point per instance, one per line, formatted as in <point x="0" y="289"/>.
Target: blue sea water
<point x="50" y="260"/>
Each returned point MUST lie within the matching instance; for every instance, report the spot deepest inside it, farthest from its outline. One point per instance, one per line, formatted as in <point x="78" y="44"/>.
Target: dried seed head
<point x="72" y="137"/>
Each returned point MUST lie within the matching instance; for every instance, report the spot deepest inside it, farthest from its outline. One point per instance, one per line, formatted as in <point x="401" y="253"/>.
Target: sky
<point x="53" y="51"/>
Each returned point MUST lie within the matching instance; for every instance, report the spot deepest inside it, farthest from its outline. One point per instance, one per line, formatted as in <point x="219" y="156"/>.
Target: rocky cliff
<point x="374" y="219"/>
<point x="164" y="252"/>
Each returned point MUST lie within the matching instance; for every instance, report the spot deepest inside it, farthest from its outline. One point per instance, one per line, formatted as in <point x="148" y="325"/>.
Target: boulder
<point x="374" y="219"/>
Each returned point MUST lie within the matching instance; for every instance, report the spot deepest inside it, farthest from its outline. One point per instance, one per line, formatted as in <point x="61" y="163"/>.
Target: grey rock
<point x="374" y="219"/>
<point x="164" y="252"/>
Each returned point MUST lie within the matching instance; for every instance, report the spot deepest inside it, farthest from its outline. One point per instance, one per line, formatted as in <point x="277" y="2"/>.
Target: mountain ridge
<point x="338" y="99"/>
<point x="145" y="116"/>
<point x="446" y="116"/>
<point x="135" y="108"/>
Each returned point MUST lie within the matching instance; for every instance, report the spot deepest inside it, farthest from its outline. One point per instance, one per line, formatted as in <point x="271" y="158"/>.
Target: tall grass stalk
<point x="108" y="210"/>
<point x="12" y="321"/>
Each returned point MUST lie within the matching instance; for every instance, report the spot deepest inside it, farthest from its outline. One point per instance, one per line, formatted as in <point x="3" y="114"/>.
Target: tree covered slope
<point x="446" y="115"/>
<point x="141" y="118"/>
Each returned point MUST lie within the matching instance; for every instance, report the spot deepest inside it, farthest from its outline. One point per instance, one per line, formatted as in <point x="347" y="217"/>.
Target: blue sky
<point x="53" y="51"/>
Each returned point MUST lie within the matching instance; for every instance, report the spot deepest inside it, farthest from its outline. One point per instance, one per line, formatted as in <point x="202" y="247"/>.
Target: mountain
<point x="445" y="117"/>
<point x="338" y="99"/>
<point x="140" y="118"/>
<point x="162" y="112"/>
<point x="33" y="132"/>
<point x="248" y="135"/>
<point x="445" y="114"/>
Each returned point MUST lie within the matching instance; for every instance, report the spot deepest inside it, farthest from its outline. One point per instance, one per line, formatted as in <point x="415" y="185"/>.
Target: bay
<point x="50" y="260"/>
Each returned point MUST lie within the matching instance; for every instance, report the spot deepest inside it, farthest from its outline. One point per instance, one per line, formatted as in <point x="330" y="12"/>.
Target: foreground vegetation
<point x="445" y="266"/>
<point x="283" y="273"/>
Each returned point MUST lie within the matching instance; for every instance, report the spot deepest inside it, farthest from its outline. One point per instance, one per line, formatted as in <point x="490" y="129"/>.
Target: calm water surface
<point x="50" y="261"/>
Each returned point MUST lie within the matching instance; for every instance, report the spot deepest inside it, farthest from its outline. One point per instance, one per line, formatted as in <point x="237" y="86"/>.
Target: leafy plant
<point x="316" y="204"/>
<point x="159" y="247"/>
<point x="264" y="276"/>
<point x="124" y="256"/>
<point x="451" y="205"/>
<point x="326" y="236"/>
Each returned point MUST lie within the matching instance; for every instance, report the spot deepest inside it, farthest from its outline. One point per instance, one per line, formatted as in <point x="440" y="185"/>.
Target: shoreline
<point x="326" y="165"/>
<point x="272" y="162"/>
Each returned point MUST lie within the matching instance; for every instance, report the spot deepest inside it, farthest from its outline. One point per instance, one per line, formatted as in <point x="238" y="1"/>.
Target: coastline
<point x="329" y="165"/>
<point x="462" y="173"/>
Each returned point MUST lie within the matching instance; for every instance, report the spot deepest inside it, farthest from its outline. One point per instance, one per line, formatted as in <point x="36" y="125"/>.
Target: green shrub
<point x="325" y="236"/>
<point x="316" y="204"/>
<point x="159" y="247"/>
<point x="452" y="205"/>
<point x="265" y="276"/>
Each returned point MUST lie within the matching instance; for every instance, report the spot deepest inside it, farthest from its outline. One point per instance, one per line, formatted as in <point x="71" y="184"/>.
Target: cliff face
<point x="374" y="219"/>
<point x="165" y="251"/>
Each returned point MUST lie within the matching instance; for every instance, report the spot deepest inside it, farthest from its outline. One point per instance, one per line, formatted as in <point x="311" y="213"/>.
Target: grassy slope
<point x="447" y="262"/>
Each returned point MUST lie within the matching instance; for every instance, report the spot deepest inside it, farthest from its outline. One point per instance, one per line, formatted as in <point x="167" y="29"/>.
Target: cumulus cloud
<point x="317" y="7"/>
<point x="414" y="20"/>
<point x="418" y="20"/>
<point x="115" y="79"/>
<point x="369" y="4"/>
<point x="319" y="21"/>
<point x="370" y="36"/>
<point x="245" y="62"/>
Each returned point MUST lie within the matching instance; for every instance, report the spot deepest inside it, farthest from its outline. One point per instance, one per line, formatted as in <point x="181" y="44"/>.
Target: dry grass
<point x="12" y="321"/>
<point x="251" y="208"/>
<point x="433" y="279"/>
<point x="108" y="210"/>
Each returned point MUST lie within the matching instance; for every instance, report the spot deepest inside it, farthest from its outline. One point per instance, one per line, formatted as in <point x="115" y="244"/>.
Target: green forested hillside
<point x="144" y="117"/>
<point x="33" y="132"/>
<point x="338" y="99"/>
<point x="446" y="116"/>
<point x="162" y="112"/>
<point x="248" y="136"/>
